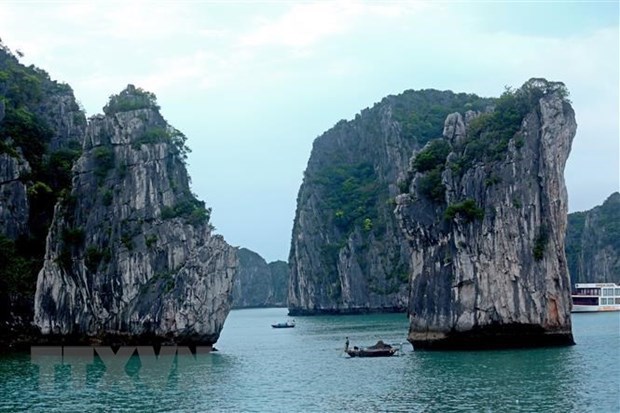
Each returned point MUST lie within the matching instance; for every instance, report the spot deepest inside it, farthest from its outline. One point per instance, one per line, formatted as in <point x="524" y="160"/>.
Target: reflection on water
<point x="304" y="369"/>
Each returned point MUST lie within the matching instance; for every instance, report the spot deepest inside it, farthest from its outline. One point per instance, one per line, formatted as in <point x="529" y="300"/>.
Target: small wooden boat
<point x="362" y="352"/>
<point x="288" y="324"/>
<point x="378" y="350"/>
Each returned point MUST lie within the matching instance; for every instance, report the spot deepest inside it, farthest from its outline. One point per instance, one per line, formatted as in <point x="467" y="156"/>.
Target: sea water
<point x="304" y="369"/>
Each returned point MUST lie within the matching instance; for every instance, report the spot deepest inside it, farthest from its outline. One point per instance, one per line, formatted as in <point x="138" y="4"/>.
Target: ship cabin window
<point x="617" y="300"/>
<point x="585" y="300"/>
<point x="603" y="301"/>
<point x="607" y="292"/>
<point x="588" y="291"/>
<point x="617" y="292"/>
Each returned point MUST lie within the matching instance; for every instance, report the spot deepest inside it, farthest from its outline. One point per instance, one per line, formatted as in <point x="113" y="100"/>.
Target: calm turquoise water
<point x="303" y="369"/>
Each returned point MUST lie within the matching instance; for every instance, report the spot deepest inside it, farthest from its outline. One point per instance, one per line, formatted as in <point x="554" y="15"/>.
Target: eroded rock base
<point x="507" y="336"/>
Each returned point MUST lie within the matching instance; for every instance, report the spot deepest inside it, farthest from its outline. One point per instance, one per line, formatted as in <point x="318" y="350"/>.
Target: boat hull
<point x="594" y="308"/>
<point x="372" y="353"/>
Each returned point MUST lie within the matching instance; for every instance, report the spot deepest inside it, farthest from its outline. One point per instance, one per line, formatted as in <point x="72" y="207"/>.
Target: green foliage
<point x="39" y="187"/>
<point x="432" y="156"/>
<point x="351" y="192"/>
<point x="127" y="241"/>
<point x="519" y="142"/>
<point x="122" y="171"/>
<point x="28" y="131"/>
<point x="488" y="135"/>
<point x="152" y="136"/>
<point x="150" y="240"/>
<point x="422" y="113"/>
<point x="73" y="236"/>
<point x="431" y="161"/>
<point x="199" y="215"/>
<point x="65" y="260"/>
<point x="403" y="185"/>
<point x="179" y="140"/>
<point x="467" y="210"/>
<point x="492" y="180"/>
<point x="7" y="148"/>
<point x="58" y="166"/>
<point x="192" y="209"/>
<point x="431" y="187"/>
<point x="573" y="243"/>
<point x="609" y="221"/>
<point x="367" y="224"/>
<point x="165" y="135"/>
<point x="131" y="98"/>
<point x="104" y="161"/>
<point x="403" y="276"/>
<point x="17" y="269"/>
<point x="162" y="282"/>
<point x="516" y="203"/>
<point x="329" y="254"/>
<point x="540" y="243"/>
<point x="94" y="256"/>
<point x="106" y="197"/>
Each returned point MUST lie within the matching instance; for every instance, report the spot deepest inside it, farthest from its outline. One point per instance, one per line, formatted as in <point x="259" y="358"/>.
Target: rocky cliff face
<point x="41" y="132"/>
<point x="14" y="208"/>
<point x="485" y="216"/>
<point x="593" y="243"/>
<point x="347" y="253"/>
<point x="130" y="252"/>
<point x="259" y="284"/>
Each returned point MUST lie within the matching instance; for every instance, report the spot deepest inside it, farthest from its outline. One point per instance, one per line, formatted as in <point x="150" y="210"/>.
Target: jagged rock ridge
<point x="485" y="215"/>
<point x="347" y="253"/>
<point x="258" y="283"/>
<point x="593" y="243"/>
<point x="130" y="252"/>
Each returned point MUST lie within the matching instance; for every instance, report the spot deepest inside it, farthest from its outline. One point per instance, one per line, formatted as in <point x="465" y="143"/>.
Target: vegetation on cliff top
<point x="487" y="139"/>
<point x="131" y="98"/>
<point x="422" y="113"/>
<point x="488" y="134"/>
<point x="135" y="98"/>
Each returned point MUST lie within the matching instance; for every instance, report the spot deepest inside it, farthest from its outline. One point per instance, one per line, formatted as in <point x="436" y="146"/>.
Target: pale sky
<point x="252" y="84"/>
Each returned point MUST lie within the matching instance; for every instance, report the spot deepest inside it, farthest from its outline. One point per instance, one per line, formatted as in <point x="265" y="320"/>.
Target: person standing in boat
<point x="346" y="344"/>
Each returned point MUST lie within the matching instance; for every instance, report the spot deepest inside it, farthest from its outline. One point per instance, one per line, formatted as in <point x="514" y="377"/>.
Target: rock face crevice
<point x="487" y="239"/>
<point x="130" y="252"/>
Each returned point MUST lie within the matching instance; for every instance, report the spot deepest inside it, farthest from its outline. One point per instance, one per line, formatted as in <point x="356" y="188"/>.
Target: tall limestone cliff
<point x="130" y="254"/>
<point x="485" y="217"/>
<point x="347" y="253"/>
<point x="259" y="284"/>
<point x="41" y="133"/>
<point x="593" y="243"/>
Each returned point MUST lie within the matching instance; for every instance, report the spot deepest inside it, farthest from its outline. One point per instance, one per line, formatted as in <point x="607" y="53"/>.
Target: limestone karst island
<point x="432" y="220"/>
